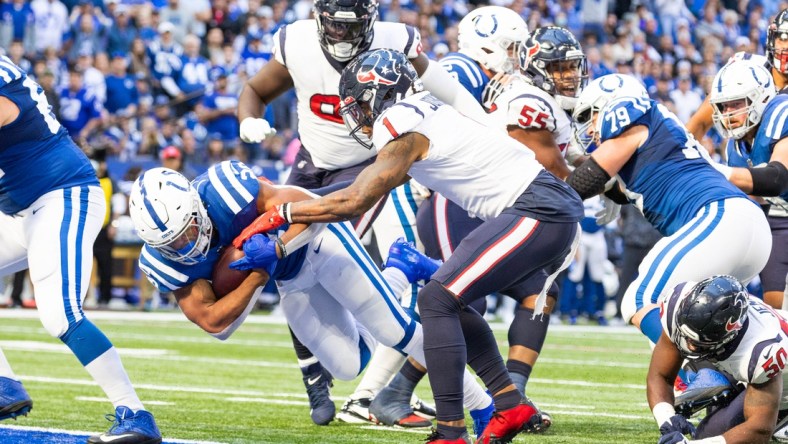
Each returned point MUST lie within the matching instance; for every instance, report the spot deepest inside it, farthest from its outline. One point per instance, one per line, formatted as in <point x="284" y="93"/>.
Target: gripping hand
<point x="259" y="252"/>
<point x="255" y="130"/>
<point x="497" y="84"/>
<point x="609" y="211"/>
<point x="267" y="221"/>
<point x="674" y="429"/>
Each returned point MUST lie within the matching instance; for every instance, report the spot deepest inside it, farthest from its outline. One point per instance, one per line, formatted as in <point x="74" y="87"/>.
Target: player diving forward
<point x="530" y="224"/>
<point x="666" y="174"/>
<point x="50" y="200"/>
<point x="335" y="299"/>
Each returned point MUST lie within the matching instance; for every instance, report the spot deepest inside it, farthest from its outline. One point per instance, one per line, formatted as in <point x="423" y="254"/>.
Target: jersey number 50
<point x="326" y="107"/>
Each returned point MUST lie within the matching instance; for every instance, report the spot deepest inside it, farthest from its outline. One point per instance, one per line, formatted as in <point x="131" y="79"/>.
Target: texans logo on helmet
<point x="533" y="50"/>
<point x="382" y="72"/>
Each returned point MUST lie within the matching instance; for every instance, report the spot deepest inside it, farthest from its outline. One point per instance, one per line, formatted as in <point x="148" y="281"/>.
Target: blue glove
<point x="673" y="438"/>
<point x="259" y="252"/>
<point x="676" y="427"/>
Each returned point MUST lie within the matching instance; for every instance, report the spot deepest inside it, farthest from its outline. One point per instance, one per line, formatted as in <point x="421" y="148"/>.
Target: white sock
<point x="397" y="280"/>
<point x="385" y="363"/>
<point x="474" y="396"/>
<point x="5" y="368"/>
<point x="108" y="372"/>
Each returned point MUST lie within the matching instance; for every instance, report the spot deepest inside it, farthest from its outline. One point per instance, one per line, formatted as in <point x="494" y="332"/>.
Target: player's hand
<point x="609" y="212"/>
<point x="673" y="438"/>
<point x="255" y="130"/>
<point x="676" y="426"/>
<point x="494" y="88"/>
<point x="267" y="221"/>
<point x="259" y="252"/>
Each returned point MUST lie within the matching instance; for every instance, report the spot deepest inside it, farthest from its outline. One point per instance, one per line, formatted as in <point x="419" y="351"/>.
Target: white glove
<point x="609" y="211"/>
<point x="255" y="130"/>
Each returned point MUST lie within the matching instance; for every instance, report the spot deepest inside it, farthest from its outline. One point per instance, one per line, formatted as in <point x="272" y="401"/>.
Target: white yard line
<point x="81" y="432"/>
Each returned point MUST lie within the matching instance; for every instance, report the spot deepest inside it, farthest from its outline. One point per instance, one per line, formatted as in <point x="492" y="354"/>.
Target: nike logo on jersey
<point x="311" y="381"/>
<point x="36" y="210"/>
<point x="767" y="352"/>
<point x="317" y="249"/>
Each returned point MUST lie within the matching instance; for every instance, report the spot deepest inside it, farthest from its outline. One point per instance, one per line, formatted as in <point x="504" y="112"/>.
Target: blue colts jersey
<point x="36" y="154"/>
<point x="772" y="129"/>
<point x="467" y="72"/>
<point x="229" y="192"/>
<point x="669" y="177"/>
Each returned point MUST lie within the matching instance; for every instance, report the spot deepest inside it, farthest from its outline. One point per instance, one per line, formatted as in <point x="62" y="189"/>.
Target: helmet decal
<point x="482" y="25"/>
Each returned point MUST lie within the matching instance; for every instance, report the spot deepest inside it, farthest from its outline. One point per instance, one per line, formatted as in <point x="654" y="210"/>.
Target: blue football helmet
<point x="370" y="84"/>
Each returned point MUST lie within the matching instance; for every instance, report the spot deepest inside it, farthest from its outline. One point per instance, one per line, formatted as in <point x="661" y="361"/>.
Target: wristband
<point x="663" y="412"/>
<point x="284" y="210"/>
<point x="282" y="248"/>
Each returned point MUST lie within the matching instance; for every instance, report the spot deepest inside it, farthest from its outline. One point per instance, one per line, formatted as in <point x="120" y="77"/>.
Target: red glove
<point x="268" y="221"/>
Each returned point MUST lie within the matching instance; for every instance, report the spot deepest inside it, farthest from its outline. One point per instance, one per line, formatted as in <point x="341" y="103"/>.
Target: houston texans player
<point x="667" y="175"/>
<point x="749" y="113"/>
<point x="715" y="320"/>
<point x="531" y="219"/>
<point x="51" y="201"/>
<point x="309" y="55"/>
<point x="333" y="296"/>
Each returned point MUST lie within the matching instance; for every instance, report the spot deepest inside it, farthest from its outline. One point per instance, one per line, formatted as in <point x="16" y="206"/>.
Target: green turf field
<point x="249" y="390"/>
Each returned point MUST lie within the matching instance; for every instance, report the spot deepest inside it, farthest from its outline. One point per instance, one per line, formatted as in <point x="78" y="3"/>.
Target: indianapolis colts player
<point x="50" y="201"/>
<point x="715" y="320"/>
<point x="309" y="55"/>
<point x="531" y="219"/>
<point x="749" y="113"/>
<point x="666" y="174"/>
<point x="335" y="299"/>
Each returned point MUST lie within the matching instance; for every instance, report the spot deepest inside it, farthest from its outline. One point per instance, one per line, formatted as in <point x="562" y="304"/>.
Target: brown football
<point x="225" y="279"/>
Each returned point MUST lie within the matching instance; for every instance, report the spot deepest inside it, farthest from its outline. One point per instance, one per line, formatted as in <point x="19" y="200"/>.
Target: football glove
<point x="497" y="84"/>
<point x="255" y="130"/>
<point x="259" y="252"/>
<point x="673" y="438"/>
<point x="677" y="425"/>
<point x="609" y="211"/>
<point x="268" y="221"/>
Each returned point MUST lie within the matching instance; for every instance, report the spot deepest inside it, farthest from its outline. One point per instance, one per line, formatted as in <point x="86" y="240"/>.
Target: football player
<point x="531" y="220"/>
<point x="327" y="281"/>
<point x="50" y="201"/>
<point x="667" y="175"/>
<point x="309" y="55"/>
<point x="716" y="321"/>
<point x="748" y="112"/>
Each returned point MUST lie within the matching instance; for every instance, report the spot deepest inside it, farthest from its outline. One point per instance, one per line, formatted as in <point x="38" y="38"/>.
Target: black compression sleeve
<point x="771" y="180"/>
<point x="588" y="179"/>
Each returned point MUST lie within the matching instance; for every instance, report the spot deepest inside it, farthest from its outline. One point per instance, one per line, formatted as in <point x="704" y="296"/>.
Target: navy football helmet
<point x="370" y="84"/>
<point x="552" y="59"/>
<point x="778" y="29"/>
<point x="710" y="316"/>
<point x="344" y="27"/>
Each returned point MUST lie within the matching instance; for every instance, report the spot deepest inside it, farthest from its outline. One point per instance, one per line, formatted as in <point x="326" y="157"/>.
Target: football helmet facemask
<point x="344" y="27"/>
<point x="169" y="216"/>
<point x="739" y="94"/>
<point x="778" y="30"/>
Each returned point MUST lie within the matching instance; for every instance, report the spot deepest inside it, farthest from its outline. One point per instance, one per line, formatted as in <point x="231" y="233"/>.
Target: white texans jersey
<point x="526" y="106"/>
<point x="482" y="170"/>
<point x="316" y="80"/>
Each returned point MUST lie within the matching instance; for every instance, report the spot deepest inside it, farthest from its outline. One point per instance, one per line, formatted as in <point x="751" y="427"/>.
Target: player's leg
<point x="773" y="274"/>
<point x="67" y="224"/>
<point x="711" y="243"/>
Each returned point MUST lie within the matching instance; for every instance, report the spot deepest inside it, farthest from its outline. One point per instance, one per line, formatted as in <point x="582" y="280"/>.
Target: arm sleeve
<point x="770" y="180"/>
<point x="588" y="179"/>
<point x="443" y="86"/>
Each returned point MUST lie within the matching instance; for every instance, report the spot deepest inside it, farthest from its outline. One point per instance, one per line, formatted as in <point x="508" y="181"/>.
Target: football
<point x="224" y="279"/>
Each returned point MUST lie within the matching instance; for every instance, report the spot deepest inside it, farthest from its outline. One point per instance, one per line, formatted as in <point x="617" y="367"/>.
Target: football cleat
<point x="781" y="430"/>
<point x="547" y="421"/>
<point x="420" y="408"/>
<point x="481" y="418"/>
<point x="416" y="265"/>
<point x="437" y="438"/>
<point x="129" y="428"/>
<point x="318" y="383"/>
<point x="707" y="388"/>
<point x="505" y="425"/>
<point x="392" y="407"/>
<point x="355" y="411"/>
<point x="14" y="400"/>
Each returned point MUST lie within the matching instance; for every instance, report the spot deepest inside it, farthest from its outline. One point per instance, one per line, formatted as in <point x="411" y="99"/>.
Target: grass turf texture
<point x="249" y="390"/>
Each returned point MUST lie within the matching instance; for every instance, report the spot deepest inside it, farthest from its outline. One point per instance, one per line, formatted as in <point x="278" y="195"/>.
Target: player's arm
<point x="768" y="180"/>
<point x="542" y="143"/>
<point x="272" y="80"/>
<point x="8" y="111"/>
<point x="761" y="405"/>
<point x="389" y="170"/>
<point x="700" y="123"/>
<point x="437" y="81"/>
<point x="199" y="304"/>
<point x="665" y="363"/>
<point x="590" y="177"/>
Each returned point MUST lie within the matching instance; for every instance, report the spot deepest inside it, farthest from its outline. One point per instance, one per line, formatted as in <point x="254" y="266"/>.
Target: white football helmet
<point x="487" y="34"/>
<point x="593" y="99"/>
<point x="169" y="216"/>
<point x="741" y="80"/>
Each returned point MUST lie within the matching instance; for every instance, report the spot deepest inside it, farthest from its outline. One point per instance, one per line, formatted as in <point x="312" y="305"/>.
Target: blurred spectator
<point x="86" y="37"/>
<point x="93" y="75"/>
<point x="223" y="19"/>
<point x="217" y="110"/>
<point x="255" y="54"/>
<point x="102" y="247"/>
<point x="47" y="82"/>
<point x="181" y="17"/>
<point x="122" y="96"/>
<point x="192" y="78"/>
<point x="51" y="22"/>
<point x="172" y="158"/>
<point x="16" y="52"/>
<point x="80" y="112"/>
<point x="140" y="60"/>
<point x="593" y="15"/>
<point x="709" y="26"/>
<point x="165" y="53"/>
<point x="687" y="99"/>
<point x="122" y="33"/>
<point x="17" y="23"/>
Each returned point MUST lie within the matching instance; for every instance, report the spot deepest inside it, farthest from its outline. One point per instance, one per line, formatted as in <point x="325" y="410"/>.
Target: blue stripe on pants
<point x="84" y="194"/>
<point x="64" y="226"/>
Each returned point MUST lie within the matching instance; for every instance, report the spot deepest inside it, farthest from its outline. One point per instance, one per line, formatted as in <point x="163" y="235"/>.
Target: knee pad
<point x="86" y="341"/>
